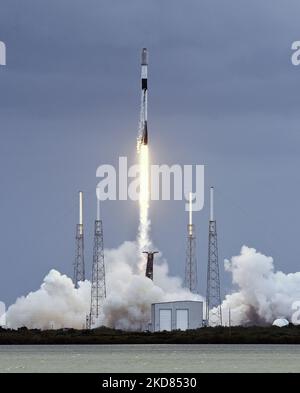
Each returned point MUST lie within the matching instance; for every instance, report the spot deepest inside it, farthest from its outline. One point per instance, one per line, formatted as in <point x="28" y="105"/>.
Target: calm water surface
<point x="150" y="358"/>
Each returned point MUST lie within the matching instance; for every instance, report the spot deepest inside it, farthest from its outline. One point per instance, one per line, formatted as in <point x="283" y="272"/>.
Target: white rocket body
<point x="143" y="137"/>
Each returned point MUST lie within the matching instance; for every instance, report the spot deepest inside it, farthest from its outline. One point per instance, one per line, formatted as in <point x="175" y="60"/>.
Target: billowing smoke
<point x="263" y="294"/>
<point x="58" y="304"/>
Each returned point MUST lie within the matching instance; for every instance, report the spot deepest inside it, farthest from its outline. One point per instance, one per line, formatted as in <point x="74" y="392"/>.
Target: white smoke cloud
<point x="130" y="293"/>
<point x="58" y="304"/>
<point x="263" y="294"/>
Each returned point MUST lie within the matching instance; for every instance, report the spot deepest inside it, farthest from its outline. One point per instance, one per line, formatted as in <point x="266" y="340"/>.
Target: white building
<point x="183" y="315"/>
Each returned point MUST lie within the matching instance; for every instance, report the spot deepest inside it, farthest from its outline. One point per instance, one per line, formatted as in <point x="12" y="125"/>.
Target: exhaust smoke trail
<point x="144" y="197"/>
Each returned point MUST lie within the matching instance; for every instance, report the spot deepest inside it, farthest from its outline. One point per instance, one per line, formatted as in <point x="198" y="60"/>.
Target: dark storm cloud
<point x="222" y="92"/>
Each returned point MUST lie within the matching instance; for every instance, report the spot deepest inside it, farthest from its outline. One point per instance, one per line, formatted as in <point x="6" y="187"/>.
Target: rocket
<point x="144" y="78"/>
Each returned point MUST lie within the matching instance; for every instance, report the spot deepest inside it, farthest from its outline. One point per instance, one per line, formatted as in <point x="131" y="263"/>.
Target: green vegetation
<point x="219" y="335"/>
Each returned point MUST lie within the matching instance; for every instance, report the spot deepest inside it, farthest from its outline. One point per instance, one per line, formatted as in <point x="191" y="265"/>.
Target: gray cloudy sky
<point x="223" y="93"/>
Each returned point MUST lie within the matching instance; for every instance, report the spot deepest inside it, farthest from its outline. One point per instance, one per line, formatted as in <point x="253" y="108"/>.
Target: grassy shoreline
<point x="219" y="335"/>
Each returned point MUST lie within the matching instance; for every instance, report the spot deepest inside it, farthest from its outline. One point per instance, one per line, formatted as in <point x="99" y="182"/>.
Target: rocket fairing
<point x="144" y="77"/>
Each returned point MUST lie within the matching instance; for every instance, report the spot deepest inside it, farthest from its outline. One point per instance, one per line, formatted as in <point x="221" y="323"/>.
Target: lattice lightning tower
<point x="213" y="296"/>
<point x="79" y="270"/>
<point x="191" y="280"/>
<point x="98" y="287"/>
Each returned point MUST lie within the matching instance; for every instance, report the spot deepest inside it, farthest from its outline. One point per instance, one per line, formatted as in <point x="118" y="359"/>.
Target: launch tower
<point x="213" y="296"/>
<point x="191" y="279"/>
<point x="98" y="287"/>
<point x="79" y="271"/>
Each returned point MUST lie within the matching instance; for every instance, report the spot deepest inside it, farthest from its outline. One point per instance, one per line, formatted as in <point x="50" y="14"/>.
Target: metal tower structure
<point x="150" y="260"/>
<point x="213" y="296"/>
<point x="98" y="288"/>
<point x="79" y="271"/>
<point x="191" y="279"/>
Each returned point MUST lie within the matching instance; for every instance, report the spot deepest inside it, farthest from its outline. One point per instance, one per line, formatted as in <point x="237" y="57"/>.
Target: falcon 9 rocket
<point x="143" y="131"/>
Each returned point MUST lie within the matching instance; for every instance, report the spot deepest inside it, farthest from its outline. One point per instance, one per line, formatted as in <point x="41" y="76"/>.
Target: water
<point x="150" y="358"/>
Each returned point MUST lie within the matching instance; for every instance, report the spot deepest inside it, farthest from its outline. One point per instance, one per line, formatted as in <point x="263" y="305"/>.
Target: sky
<point x="222" y="92"/>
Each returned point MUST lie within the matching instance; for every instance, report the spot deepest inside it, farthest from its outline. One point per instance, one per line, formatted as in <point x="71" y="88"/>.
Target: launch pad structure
<point x="213" y="296"/>
<point x="79" y="268"/>
<point x="150" y="261"/>
<point x="191" y="278"/>
<point x="98" y="285"/>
